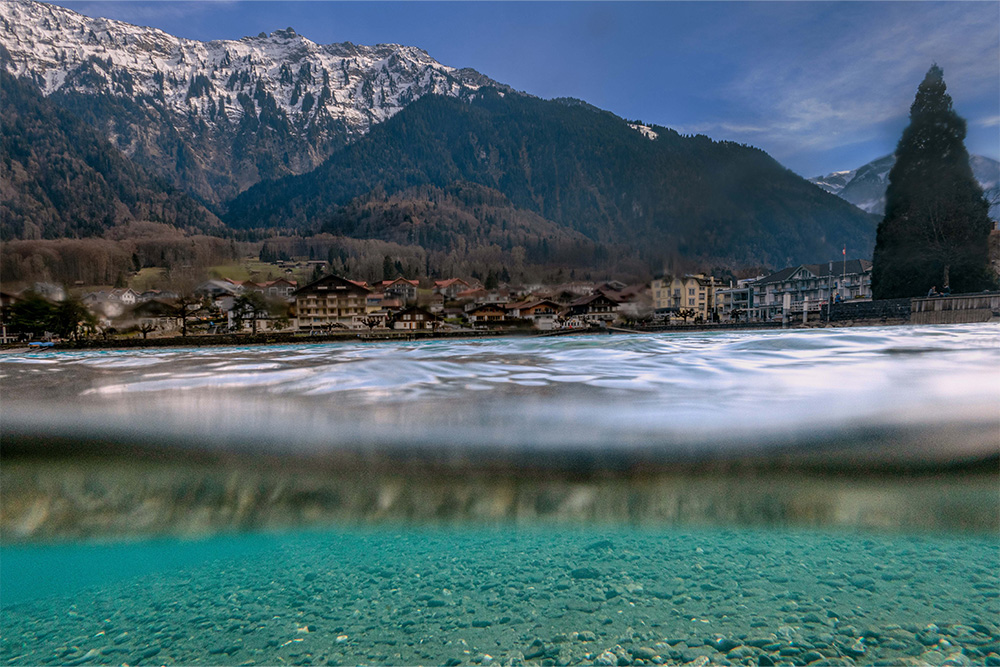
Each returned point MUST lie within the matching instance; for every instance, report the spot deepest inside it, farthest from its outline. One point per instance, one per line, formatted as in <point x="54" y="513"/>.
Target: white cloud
<point x="840" y="87"/>
<point x="989" y="121"/>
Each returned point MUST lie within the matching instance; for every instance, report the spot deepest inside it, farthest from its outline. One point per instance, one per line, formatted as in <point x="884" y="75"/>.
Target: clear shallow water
<point x="691" y="392"/>
<point x="406" y="596"/>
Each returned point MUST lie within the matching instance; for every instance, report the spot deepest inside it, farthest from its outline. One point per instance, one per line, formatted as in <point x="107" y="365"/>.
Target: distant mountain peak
<point x="290" y="101"/>
<point x="865" y="186"/>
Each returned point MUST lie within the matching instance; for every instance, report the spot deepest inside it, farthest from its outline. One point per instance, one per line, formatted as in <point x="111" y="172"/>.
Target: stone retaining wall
<point x="958" y="309"/>
<point x="883" y="309"/>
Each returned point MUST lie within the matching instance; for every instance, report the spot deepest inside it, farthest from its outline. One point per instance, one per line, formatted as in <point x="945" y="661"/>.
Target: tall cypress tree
<point x="936" y="225"/>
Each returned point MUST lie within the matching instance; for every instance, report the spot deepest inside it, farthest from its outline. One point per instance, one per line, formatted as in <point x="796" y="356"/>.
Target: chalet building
<point x="808" y="286"/>
<point x="414" y="318"/>
<point x="450" y="288"/>
<point x="487" y="313"/>
<point x="593" y="309"/>
<point x="330" y="301"/>
<point x="693" y="291"/>
<point x="127" y="297"/>
<point x="542" y="313"/>
<point x="401" y="288"/>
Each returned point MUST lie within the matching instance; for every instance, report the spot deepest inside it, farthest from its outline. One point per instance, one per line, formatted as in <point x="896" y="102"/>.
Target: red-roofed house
<point x="451" y="287"/>
<point x="401" y="288"/>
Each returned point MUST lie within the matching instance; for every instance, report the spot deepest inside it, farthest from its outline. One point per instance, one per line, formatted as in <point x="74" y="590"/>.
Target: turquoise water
<point x="406" y="595"/>
<point x="633" y="588"/>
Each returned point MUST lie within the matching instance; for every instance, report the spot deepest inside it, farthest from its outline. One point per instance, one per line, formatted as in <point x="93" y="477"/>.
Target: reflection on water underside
<point x="56" y="499"/>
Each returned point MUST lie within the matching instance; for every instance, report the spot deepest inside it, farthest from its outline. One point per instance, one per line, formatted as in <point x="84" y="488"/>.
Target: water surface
<point x="689" y="393"/>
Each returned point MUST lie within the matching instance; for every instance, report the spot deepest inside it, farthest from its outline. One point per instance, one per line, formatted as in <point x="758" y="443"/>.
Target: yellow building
<point x="694" y="292"/>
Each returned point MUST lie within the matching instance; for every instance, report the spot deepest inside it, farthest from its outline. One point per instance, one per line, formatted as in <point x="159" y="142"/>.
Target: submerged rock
<point x="585" y="573"/>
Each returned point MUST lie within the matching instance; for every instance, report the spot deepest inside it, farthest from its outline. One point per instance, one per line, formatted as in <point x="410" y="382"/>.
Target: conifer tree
<point x="936" y="225"/>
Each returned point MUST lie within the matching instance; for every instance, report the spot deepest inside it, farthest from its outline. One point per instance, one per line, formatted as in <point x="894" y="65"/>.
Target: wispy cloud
<point x="843" y="85"/>
<point x="989" y="121"/>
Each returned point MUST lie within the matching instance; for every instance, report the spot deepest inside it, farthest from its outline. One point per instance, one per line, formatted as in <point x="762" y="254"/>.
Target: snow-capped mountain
<point x="865" y="186"/>
<point x="216" y="117"/>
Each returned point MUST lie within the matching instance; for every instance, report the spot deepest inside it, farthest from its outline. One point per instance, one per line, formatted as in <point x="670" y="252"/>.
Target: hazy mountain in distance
<point x="865" y="186"/>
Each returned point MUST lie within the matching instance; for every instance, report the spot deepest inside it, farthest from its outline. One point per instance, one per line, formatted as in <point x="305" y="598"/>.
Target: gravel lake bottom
<point x="408" y="595"/>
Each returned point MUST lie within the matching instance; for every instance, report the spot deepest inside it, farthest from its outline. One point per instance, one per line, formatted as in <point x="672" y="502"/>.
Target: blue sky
<point x="821" y="86"/>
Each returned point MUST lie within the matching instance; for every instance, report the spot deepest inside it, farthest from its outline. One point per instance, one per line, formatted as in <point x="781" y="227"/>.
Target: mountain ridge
<point x="594" y="173"/>
<point x="216" y="117"/>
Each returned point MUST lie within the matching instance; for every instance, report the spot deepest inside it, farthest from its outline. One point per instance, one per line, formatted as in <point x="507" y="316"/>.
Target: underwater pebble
<point x="606" y="659"/>
<point x="585" y="573"/>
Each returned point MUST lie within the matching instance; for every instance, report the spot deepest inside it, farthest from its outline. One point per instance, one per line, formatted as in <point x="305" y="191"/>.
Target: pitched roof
<point x="449" y="282"/>
<point x="531" y="303"/>
<point x="487" y="306"/>
<point x="585" y="300"/>
<point x="834" y="269"/>
<point x="331" y="279"/>
<point x="416" y="309"/>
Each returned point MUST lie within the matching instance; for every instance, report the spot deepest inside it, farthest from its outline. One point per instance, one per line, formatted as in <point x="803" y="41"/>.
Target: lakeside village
<point x="804" y="294"/>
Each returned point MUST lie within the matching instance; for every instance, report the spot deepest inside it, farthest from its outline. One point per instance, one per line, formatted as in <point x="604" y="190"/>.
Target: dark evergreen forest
<point x="580" y="168"/>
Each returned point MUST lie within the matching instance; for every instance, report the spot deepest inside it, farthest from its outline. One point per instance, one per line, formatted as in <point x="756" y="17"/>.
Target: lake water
<point x="822" y="496"/>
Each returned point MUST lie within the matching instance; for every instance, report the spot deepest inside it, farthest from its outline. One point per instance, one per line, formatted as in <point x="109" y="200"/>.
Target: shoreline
<point x="292" y="338"/>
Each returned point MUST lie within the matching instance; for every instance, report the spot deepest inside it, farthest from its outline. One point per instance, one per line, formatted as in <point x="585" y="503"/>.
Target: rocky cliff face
<point x="217" y="117"/>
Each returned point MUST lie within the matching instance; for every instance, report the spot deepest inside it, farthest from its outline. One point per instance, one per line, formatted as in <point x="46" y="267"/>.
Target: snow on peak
<point x="353" y="84"/>
<point x="865" y="186"/>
